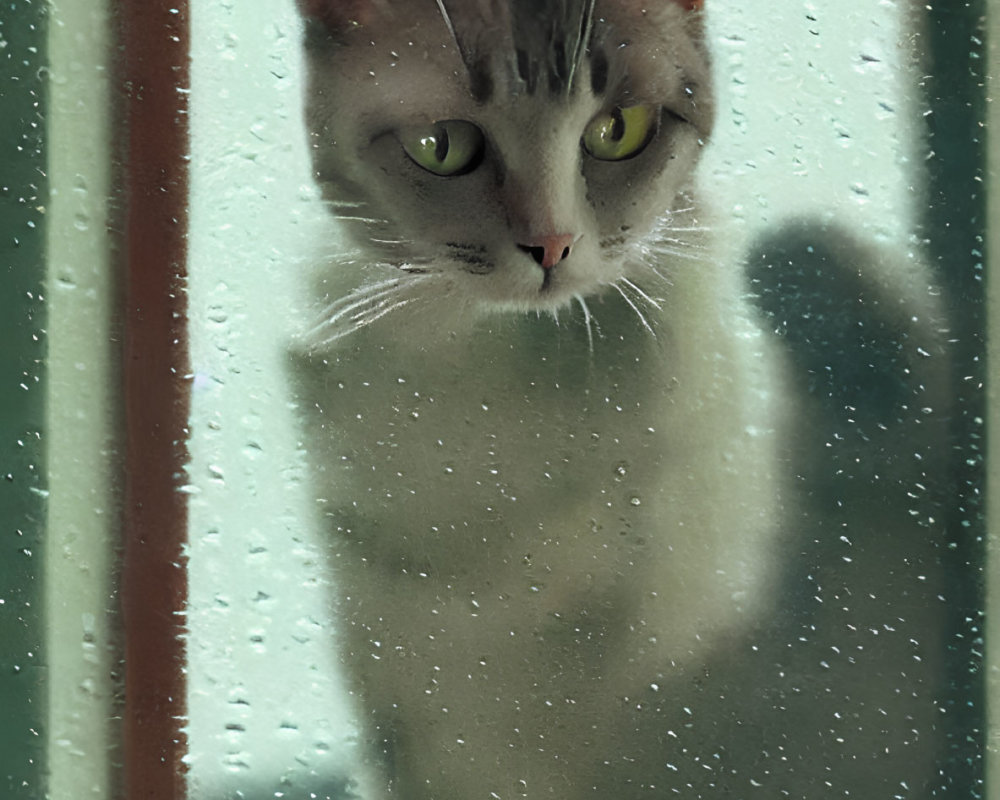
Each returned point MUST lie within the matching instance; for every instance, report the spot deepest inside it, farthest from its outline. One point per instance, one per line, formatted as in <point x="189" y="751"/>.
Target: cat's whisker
<point x="656" y="245"/>
<point x="359" y="309"/>
<point x="683" y="254"/>
<point x="355" y="218"/>
<point x="654" y="303"/>
<point x="359" y="321"/>
<point x="682" y="242"/>
<point x="635" y="308"/>
<point x="587" y="319"/>
<point x="581" y="44"/>
<point x="379" y="312"/>
<point x="684" y="216"/>
<point x="352" y="210"/>
<point x="357" y="299"/>
<point x="448" y="23"/>
<point x="368" y="289"/>
<point x="666" y="226"/>
<point x="688" y="229"/>
<point x="665" y="278"/>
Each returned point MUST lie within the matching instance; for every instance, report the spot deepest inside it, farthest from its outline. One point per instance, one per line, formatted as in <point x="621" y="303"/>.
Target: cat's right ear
<point x="337" y="16"/>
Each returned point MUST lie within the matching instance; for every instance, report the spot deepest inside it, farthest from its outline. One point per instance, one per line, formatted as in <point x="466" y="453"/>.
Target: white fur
<point x="543" y="504"/>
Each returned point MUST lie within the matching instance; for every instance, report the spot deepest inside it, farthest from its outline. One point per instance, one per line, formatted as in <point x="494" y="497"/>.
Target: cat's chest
<point x="521" y="426"/>
<point x="483" y="451"/>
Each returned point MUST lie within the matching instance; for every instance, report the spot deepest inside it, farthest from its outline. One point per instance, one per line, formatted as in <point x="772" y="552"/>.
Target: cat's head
<point x="516" y="152"/>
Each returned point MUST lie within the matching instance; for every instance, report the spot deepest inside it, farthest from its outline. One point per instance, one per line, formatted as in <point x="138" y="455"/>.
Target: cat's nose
<point x="549" y="250"/>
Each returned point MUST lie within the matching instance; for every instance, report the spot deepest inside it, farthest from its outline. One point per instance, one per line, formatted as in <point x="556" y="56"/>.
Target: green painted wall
<point x="955" y="223"/>
<point x="23" y="197"/>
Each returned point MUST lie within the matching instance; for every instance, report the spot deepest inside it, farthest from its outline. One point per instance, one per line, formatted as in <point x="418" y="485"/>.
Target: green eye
<point x="621" y="133"/>
<point x="452" y="147"/>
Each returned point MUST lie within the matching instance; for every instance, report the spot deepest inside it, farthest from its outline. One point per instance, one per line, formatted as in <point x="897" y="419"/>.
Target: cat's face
<point x="518" y="152"/>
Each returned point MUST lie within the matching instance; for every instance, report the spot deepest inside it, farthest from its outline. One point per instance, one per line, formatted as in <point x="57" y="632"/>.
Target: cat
<point x="548" y="429"/>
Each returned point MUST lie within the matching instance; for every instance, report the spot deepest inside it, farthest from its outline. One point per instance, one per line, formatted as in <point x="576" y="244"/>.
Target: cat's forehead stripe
<point x="598" y="71"/>
<point x="551" y="39"/>
<point x="480" y="80"/>
<point x="546" y="44"/>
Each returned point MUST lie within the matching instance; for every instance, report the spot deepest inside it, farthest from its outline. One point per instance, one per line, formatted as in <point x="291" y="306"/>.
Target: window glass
<point x="23" y="196"/>
<point x="508" y="403"/>
<point x="821" y="154"/>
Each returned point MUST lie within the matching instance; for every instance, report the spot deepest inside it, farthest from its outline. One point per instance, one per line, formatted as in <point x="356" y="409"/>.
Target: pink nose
<point x="549" y="250"/>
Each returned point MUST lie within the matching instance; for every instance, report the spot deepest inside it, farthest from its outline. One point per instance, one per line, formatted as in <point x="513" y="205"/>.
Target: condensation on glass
<point x="830" y="116"/>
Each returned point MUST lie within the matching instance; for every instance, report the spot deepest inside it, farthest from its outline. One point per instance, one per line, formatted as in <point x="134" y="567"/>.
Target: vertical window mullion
<point x="154" y="80"/>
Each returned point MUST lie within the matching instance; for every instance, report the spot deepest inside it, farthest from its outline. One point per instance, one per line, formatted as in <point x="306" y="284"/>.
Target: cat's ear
<point x="690" y="5"/>
<point x="337" y="16"/>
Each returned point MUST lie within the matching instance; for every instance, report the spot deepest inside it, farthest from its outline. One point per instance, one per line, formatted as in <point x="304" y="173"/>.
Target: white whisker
<point x="635" y="308"/>
<point x="380" y="311"/>
<point x="448" y="23"/>
<point x="360" y="321"/>
<point x="690" y="229"/>
<point x="366" y="220"/>
<point x="357" y="299"/>
<point x="680" y="254"/>
<point x="581" y="45"/>
<point x="655" y="304"/>
<point x="666" y="279"/>
<point x="681" y="242"/>
<point x="363" y="306"/>
<point x="587" y="319"/>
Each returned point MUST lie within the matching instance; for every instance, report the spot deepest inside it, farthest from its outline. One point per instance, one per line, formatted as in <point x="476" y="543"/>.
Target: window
<point x="168" y="590"/>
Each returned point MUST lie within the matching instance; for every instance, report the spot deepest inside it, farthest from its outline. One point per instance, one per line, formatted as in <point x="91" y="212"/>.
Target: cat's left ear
<point x="690" y="5"/>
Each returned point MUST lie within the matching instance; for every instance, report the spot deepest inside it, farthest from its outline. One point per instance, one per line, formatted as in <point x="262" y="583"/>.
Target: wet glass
<point x="187" y="642"/>
<point x="23" y="196"/>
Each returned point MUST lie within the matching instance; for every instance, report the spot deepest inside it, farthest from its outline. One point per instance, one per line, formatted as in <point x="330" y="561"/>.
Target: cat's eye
<point x="622" y="132"/>
<point x="452" y="147"/>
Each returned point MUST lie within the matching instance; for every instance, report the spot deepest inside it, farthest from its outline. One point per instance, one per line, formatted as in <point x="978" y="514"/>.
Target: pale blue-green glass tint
<point x="23" y="196"/>
<point x="870" y="119"/>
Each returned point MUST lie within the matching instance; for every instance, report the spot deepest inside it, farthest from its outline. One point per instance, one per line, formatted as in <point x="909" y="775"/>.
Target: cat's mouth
<point x="546" y="281"/>
<point x="550" y="251"/>
<point x="542" y="273"/>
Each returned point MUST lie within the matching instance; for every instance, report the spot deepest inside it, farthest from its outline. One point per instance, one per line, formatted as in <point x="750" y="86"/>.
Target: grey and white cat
<point x="546" y="428"/>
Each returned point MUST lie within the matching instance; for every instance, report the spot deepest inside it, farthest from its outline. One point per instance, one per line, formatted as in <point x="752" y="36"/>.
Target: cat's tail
<point x="867" y="341"/>
<point x="863" y="324"/>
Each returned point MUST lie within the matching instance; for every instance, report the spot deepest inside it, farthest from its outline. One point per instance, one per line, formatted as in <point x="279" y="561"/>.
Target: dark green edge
<point x="23" y="198"/>
<point x="955" y="223"/>
<point x="956" y="63"/>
